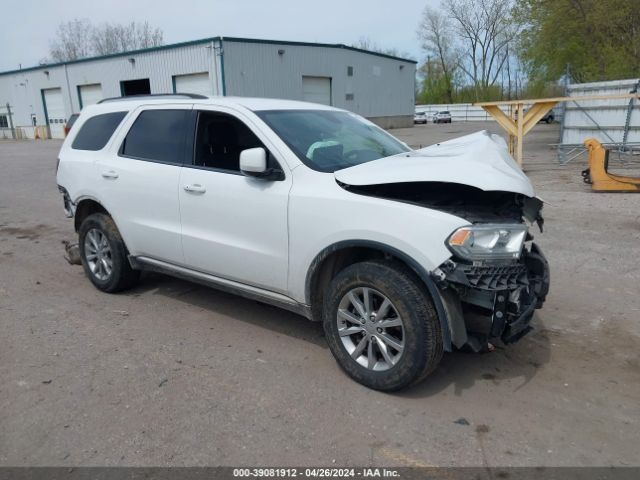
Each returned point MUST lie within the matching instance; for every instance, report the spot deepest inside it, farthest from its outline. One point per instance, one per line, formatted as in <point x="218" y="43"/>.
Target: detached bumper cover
<point x="69" y="207"/>
<point x="510" y="292"/>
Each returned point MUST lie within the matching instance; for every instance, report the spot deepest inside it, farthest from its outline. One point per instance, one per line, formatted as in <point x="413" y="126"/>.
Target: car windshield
<point x="327" y="140"/>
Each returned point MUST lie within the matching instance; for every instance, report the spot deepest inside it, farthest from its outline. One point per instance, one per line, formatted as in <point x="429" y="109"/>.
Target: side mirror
<point x="253" y="163"/>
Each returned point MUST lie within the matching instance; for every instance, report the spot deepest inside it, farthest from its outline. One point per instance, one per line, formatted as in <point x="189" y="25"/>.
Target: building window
<point x="349" y="96"/>
<point x="3" y="121"/>
<point x="349" y="71"/>
<point x="135" y="87"/>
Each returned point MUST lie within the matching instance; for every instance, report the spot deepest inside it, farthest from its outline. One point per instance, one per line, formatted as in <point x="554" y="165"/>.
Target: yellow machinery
<point x="597" y="175"/>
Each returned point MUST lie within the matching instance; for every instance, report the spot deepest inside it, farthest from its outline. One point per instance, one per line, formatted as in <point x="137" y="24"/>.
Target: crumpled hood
<point x="480" y="160"/>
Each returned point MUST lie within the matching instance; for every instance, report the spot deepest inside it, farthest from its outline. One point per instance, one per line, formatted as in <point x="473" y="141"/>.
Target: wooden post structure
<point x="515" y="128"/>
<point x="519" y="123"/>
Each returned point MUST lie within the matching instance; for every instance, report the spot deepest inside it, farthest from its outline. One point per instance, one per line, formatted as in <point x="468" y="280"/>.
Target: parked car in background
<point x="70" y="122"/>
<point x="442" y="117"/>
<point x="548" y="118"/>
<point x="315" y="210"/>
<point x="420" y="117"/>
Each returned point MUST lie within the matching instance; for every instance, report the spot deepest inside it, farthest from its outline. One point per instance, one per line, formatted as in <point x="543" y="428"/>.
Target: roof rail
<point x="154" y="95"/>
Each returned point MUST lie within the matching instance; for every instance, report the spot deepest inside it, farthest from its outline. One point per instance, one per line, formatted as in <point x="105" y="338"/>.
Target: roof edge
<point x="315" y="44"/>
<point x="206" y="40"/>
<point x="114" y="55"/>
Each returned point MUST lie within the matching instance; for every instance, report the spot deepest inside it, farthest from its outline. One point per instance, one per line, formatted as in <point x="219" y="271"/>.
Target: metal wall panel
<point x="379" y="86"/>
<point x="22" y="90"/>
<point x="601" y="119"/>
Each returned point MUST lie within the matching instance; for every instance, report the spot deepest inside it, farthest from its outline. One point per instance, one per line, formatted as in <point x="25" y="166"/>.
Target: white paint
<point x="316" y="90"/>
<point x="55" y="111"/>
<point x="480" y="160"/>
<point x="193" y="83"/>
<point x="266" y="234"/>
<point x="90" y="94"/>
<point x="143" y="199"/>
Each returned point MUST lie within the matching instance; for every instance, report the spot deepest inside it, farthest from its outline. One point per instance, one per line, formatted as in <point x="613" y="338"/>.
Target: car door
<point x="233" y="226"/>
<point x="139" y="180"/>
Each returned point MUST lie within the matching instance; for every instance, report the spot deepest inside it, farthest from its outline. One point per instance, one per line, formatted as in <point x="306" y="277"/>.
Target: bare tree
<point x="365" y="43"/>
<point x="435" y="32"/>
<point x="114" y="38"/>
<point x="485" y="29"/>
<point x="78" y="38"/>
<point x="72" y="40"/>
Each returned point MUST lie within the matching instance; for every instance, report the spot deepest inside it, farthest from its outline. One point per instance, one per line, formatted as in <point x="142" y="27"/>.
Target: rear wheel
<point x="104" y="254"/>
<point x="381" y="325"/>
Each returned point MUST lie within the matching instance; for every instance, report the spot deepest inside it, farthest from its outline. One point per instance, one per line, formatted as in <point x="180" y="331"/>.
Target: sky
<point x="29" y="25"/>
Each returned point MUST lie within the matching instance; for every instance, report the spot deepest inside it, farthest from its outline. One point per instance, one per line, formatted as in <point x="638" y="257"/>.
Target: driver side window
<point x="219" y="140"/>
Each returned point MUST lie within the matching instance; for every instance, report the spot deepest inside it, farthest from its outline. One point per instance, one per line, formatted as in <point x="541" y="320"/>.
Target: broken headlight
<point x="488" y="241"/>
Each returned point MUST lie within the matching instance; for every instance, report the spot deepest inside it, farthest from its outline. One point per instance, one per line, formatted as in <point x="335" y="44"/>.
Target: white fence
<point x="460" y="112"/>
<point x="466" y="112"/>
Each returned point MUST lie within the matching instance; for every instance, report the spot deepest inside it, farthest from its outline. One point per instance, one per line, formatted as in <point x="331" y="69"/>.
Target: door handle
<point x="110" y="174"/>
<point x="195" y="188"/>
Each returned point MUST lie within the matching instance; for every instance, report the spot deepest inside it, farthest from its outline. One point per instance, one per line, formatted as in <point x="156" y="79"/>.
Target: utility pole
<point x="9" y="114"/>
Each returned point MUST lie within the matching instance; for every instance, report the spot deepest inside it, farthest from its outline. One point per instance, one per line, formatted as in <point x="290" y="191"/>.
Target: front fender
<point x="424" y="275"/>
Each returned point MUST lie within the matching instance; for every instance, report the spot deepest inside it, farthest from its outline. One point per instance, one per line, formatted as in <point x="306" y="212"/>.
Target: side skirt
<point x="223" y="284"/>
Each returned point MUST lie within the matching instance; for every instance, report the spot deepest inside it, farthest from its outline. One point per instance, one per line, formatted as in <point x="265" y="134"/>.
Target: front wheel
<point x="381" y="325"/>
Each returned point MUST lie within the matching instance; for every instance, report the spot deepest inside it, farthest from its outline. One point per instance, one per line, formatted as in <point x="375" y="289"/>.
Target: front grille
<point x="502" y="277"/>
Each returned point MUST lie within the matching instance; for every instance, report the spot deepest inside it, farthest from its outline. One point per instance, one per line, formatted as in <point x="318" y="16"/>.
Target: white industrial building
<point x="377" y="86"/>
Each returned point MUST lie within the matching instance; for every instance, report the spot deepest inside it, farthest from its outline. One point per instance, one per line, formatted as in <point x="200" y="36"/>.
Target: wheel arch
<point x="85" y="206"/>
<point x="341" y="254"/>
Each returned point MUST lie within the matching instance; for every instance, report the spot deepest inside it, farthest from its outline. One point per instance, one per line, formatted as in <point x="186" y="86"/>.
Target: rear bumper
<point x="69" y="207"/>
<point x="501" y="299"/>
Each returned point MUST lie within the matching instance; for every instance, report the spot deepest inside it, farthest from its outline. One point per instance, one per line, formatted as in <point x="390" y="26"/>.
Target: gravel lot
<point x="172" y="373"/>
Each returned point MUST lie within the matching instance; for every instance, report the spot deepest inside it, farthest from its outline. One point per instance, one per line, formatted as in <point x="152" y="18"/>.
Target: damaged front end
<point x="496" y="276"/>
<point x="485" y="301"/>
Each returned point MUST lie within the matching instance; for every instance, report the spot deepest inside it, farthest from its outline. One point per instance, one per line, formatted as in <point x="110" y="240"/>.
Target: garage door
<point x="317" y="90"/>
<point x="55" y="114"/>
<point x="90" y="94"/>
<point x="192" y="83"/>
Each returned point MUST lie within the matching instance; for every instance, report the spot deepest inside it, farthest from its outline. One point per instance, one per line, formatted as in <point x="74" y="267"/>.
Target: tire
<point x="104" y="254"/>
<point x="548" y="120"/>
<point x="418" y="334"/>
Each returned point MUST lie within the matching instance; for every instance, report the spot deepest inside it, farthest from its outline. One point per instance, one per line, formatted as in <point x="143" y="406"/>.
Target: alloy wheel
<point x="370" y="328"/>
<point x="97" y="253"/>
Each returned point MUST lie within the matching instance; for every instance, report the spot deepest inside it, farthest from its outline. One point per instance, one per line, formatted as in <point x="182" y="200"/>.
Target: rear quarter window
<point x="96" y="132"/>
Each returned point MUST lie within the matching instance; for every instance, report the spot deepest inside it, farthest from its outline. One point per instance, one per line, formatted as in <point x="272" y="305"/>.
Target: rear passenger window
<point x="96" y="132"/>
<point x="157" y="135"/>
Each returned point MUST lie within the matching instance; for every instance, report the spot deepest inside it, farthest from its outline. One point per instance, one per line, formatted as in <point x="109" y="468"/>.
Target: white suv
<point x="316" y="210"/>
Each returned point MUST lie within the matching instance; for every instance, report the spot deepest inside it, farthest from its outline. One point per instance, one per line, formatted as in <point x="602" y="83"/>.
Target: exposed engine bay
<point x="464" y="201"/>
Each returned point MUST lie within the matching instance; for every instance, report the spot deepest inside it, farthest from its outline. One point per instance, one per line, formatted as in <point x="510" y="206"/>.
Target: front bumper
<point x="503" y="296"/>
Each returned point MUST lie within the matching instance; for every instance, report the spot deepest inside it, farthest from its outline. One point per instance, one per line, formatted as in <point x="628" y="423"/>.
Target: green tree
<point x="597" y="39"/>
<point x="436" y="85"/>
